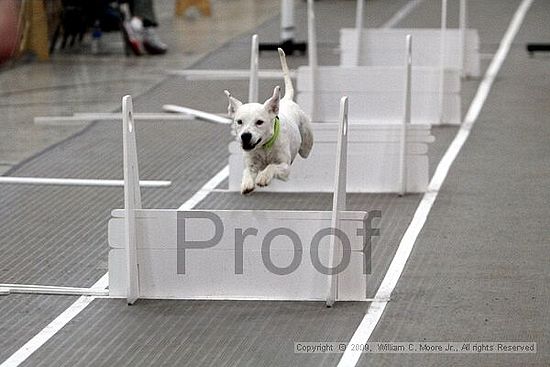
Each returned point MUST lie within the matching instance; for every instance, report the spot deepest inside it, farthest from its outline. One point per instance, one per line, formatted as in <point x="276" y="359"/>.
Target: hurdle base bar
<point x="538" y="47"/>
<point x="6" y="289"/>
<point x="288" y="46"/>
<point x="45" y="181"/>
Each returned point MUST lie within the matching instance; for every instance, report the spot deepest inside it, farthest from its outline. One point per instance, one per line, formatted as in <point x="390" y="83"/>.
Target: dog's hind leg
<point x="306" y="132"/>
<point x="280" y="171"/>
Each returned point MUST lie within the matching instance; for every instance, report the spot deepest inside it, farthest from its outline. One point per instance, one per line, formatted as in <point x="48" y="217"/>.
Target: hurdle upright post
<point x="132" y="198"/>
<point x="254" y="64"/>
<point x="288" y="30"/>
<point x="442" y="59"/>
<point x="339" y="198"/>
<point x="359" y="21"/>
<point x="406" y="119"/>
<point x="462" y="20"/>
<point x="312" y="55"/>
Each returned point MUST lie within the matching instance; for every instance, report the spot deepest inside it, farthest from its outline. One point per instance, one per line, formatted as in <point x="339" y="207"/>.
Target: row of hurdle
<point x="397" y="90"/>
<point x="217" y="254"/>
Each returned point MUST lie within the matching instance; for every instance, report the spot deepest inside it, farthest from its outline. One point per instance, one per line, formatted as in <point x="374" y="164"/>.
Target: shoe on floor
<point x="152" y="43"/>
<point x="133" y="35"/>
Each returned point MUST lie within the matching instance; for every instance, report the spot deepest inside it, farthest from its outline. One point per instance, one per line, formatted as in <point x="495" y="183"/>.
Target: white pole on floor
<point x="254" y="64"/>
<point x="132" y="199"/>
<point x="312" y="55"/>
<point x="50" y="290"/>
<point x="210" y="117"/>
<point x="407" y="119"/>
<point x="80" y="118"/>
<point x="462" y="35"/>
<point x="359" y="20"/>
<point x="43" y="181"/>
<point x="442" y="59"/>
<point x="338" y="200"/>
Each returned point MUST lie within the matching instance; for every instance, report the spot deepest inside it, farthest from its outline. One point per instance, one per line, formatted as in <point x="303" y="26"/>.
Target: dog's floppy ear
<point x="234" y="104"/>
<point x="272" y="104"/>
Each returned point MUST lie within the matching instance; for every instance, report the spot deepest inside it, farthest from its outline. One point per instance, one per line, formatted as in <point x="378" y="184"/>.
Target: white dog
<point x="271" y="134"/>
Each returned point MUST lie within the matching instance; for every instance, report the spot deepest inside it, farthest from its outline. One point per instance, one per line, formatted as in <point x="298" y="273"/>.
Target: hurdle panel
<point x="385" y="47"/>
<point x="373" y="160"/>
<point x="210" y="272"/>
<point x="376" y="93"/>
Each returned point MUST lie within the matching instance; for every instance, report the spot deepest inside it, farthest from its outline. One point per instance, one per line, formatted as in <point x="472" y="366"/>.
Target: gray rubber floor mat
<point x="23" y="316"/>
<point x="197" y="333"/>
<point x="54" y="235"/>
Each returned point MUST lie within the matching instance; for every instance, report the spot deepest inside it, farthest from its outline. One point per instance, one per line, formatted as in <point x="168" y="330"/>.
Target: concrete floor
<point x="74" y="80"/>
<point x="479" y="269"/>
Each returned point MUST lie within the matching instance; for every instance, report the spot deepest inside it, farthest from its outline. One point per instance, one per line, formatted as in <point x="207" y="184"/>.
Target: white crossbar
<point x="9" y="180"/>
<point x="210" y="117"/>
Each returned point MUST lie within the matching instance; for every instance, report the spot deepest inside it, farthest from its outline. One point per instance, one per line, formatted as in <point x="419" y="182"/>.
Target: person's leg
<point x="144" y="10"/>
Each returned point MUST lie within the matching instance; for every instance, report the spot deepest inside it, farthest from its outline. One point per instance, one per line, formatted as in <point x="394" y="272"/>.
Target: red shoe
<point x="133" y="36"/>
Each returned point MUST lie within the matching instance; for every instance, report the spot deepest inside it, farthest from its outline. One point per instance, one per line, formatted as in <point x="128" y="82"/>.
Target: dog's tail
<point x="289" y="89"/>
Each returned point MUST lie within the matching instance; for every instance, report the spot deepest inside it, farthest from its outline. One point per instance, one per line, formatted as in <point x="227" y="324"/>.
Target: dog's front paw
<point x="263" y="179"/>
<point x="247" y="186"/>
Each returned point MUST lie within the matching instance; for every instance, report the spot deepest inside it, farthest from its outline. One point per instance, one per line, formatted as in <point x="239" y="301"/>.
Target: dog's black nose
<point x="245" y="138"/>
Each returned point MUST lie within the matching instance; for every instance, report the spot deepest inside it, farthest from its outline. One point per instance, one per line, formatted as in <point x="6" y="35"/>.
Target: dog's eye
<point x="239" y="122"/>
<point x="259" y="122"/>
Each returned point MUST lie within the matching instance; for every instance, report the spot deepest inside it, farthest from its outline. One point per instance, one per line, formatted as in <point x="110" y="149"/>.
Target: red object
<point x="9" y="17"/>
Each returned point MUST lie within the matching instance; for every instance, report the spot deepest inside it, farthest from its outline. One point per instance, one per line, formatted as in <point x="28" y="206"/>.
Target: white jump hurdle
<point x="386" y="153"/>
<point x="373" y="161"/>
<point x="377" y="92"/>
<point x="158" y="253"/>
<point x="383" y="46"/>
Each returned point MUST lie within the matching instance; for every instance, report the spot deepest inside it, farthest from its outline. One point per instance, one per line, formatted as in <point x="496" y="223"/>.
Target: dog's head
<point x="253" y="122"/>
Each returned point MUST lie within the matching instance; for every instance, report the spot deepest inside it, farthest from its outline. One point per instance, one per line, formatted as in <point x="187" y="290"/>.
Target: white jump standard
<point x="235" y="254"/>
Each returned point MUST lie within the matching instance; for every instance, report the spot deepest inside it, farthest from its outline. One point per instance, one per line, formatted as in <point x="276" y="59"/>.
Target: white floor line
<point x="53" y="327"/>
<point x="375" y="310"/>
<point x="82" y="302"/>
<point x="206" y="189"/>
<point x="402" y="13"/>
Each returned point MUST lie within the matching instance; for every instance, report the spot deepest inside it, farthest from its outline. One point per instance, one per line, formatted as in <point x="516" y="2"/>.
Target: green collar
<point x="276" y="132"/>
